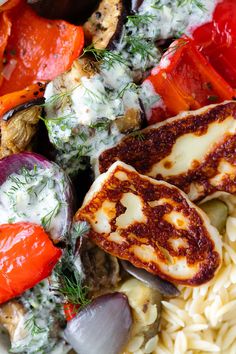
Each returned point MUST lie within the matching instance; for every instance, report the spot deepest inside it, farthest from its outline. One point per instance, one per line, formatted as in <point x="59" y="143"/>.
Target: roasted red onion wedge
<point x="153" y="281"/>
<point x="57" y="220"/>
<point x="103" y="327"/>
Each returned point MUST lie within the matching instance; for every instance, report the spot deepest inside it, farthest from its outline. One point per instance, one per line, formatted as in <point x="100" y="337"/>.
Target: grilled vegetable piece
<point x="102" y="327"/>
<point x="40" y="49"/>
<point x="27" y="256"/>
<point x="71" y="10"/>
<point x="181" y="91"/>
<point x="11" y="315"/>
<point x="194" y="151"/>
<point x="105" y="24"/>
<point x="164" y="234"/>
<point x="217" y="211"/>
<point x="101" y="270"/>
<point x="17" y="131"/>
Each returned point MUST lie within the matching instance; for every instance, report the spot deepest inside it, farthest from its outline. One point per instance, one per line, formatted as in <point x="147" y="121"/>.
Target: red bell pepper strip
<point x="27" y="256"/>
<point x="70" y="310"/>
<point x="5" y="30"/>
<point x="217" y="40"/>
<point x="11" y="100"/>
<point x="9" y="4"/>
<point x="40" y="48"/>
<point x="185" y="80"/>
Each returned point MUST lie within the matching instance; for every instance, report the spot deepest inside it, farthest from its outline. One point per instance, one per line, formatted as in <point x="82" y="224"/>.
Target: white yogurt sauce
<point x="83" y="112"/>
<point x="31" y="196"/>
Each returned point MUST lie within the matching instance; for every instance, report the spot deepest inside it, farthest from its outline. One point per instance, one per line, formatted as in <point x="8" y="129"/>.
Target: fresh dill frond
<point x="78" y="229"/>
<point x="173" y="48"/>
<point x="73" y="291"/>
<point x="138" y="20"/>
<point x="97" y="96"/>
<point x="101" y="124"/>
<point x="197" y="3"/>
<point x="59" y="98"/>
<point x="140" y="45"/>
<point x="47" y="219"/>
<point x="108" y="57"/>
<point x="32" y="326"/>
<point x="130" y="86"/>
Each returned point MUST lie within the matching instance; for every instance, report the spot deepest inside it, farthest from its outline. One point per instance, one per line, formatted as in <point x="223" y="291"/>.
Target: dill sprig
<point x="59" y="97"/>
<point x="108" y="57"/>
<point x="138" y="20"/>
<point x="33" y="327"/>
<point x="197" y="3"/>
<point x="129" y="86"/>
<point x="46" y="220"/>
<point x="139" y="45"/>
<point x="101" y="124"/>
<point x="73" y="290"/>
<point x="173" y="48"/>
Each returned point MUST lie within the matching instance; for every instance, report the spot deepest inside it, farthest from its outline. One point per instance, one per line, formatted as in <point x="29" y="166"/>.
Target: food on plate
<point x="105" y="24"/>
<point x="152" y="281"/>
<point x="36" y="190"/>
<point x="164" y="234"/>
<point x="194" y="151"/>
<point x="180" y="91"/>
<point x="18" y="127"/>
<point x="148" y="262"/>
<point x="113" y="317"/>
<point x="89" y="108"/>
<point x="27" y="255"/>
<point x="146" y="310"/>
<point x="28" y="38"/>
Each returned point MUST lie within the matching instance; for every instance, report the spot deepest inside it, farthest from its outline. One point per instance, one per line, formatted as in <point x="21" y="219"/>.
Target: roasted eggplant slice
<point x="101" y="270"/>
<point x="105" y="24"/>
<point x="71" y="10"/>
<point x="18" y="127"/>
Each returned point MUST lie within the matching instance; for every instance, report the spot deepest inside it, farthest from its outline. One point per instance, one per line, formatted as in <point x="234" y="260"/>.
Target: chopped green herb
<point x="140" y="45"/>
<point x="197" y="3"/>
<point x="138" y="20"/>
<point x="32" y="326"/>
<point x="138" y="135"/>
<point x="108" y="57"/>
<point x="101" y="124"/>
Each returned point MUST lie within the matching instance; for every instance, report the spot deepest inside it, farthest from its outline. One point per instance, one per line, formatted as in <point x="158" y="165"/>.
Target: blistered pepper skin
<point x="27" y="256"/>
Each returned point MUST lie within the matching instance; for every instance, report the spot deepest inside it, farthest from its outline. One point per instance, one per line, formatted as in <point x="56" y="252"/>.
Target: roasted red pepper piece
<point x="70" y="310"/>
<point x="11" y="100"/>
<point x="185" y="80"/>
<point x="42" y="48"/>
<point x="27" y="256"/>
<point x="5" y="30"/>
<point x="217" y="40"/>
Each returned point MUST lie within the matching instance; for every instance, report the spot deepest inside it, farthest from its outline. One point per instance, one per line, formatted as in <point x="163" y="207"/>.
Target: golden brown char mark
<point x="151" y="224"/>
<point x="195" y="151"/>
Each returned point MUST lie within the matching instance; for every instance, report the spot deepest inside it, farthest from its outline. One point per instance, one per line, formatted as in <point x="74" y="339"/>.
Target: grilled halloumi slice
<point x="152" y="224"/>
<point x="195" y="151"/>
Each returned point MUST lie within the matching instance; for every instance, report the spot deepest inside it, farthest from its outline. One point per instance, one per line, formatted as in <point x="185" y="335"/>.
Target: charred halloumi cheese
<point x="195" y="151"/>
<point x="152" y="224"/>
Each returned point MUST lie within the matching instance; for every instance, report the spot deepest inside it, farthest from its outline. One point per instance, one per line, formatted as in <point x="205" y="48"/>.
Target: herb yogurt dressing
<point x="80" y="113"/>
<point x="34" y="196"/>
<point x="155" y="20"/>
